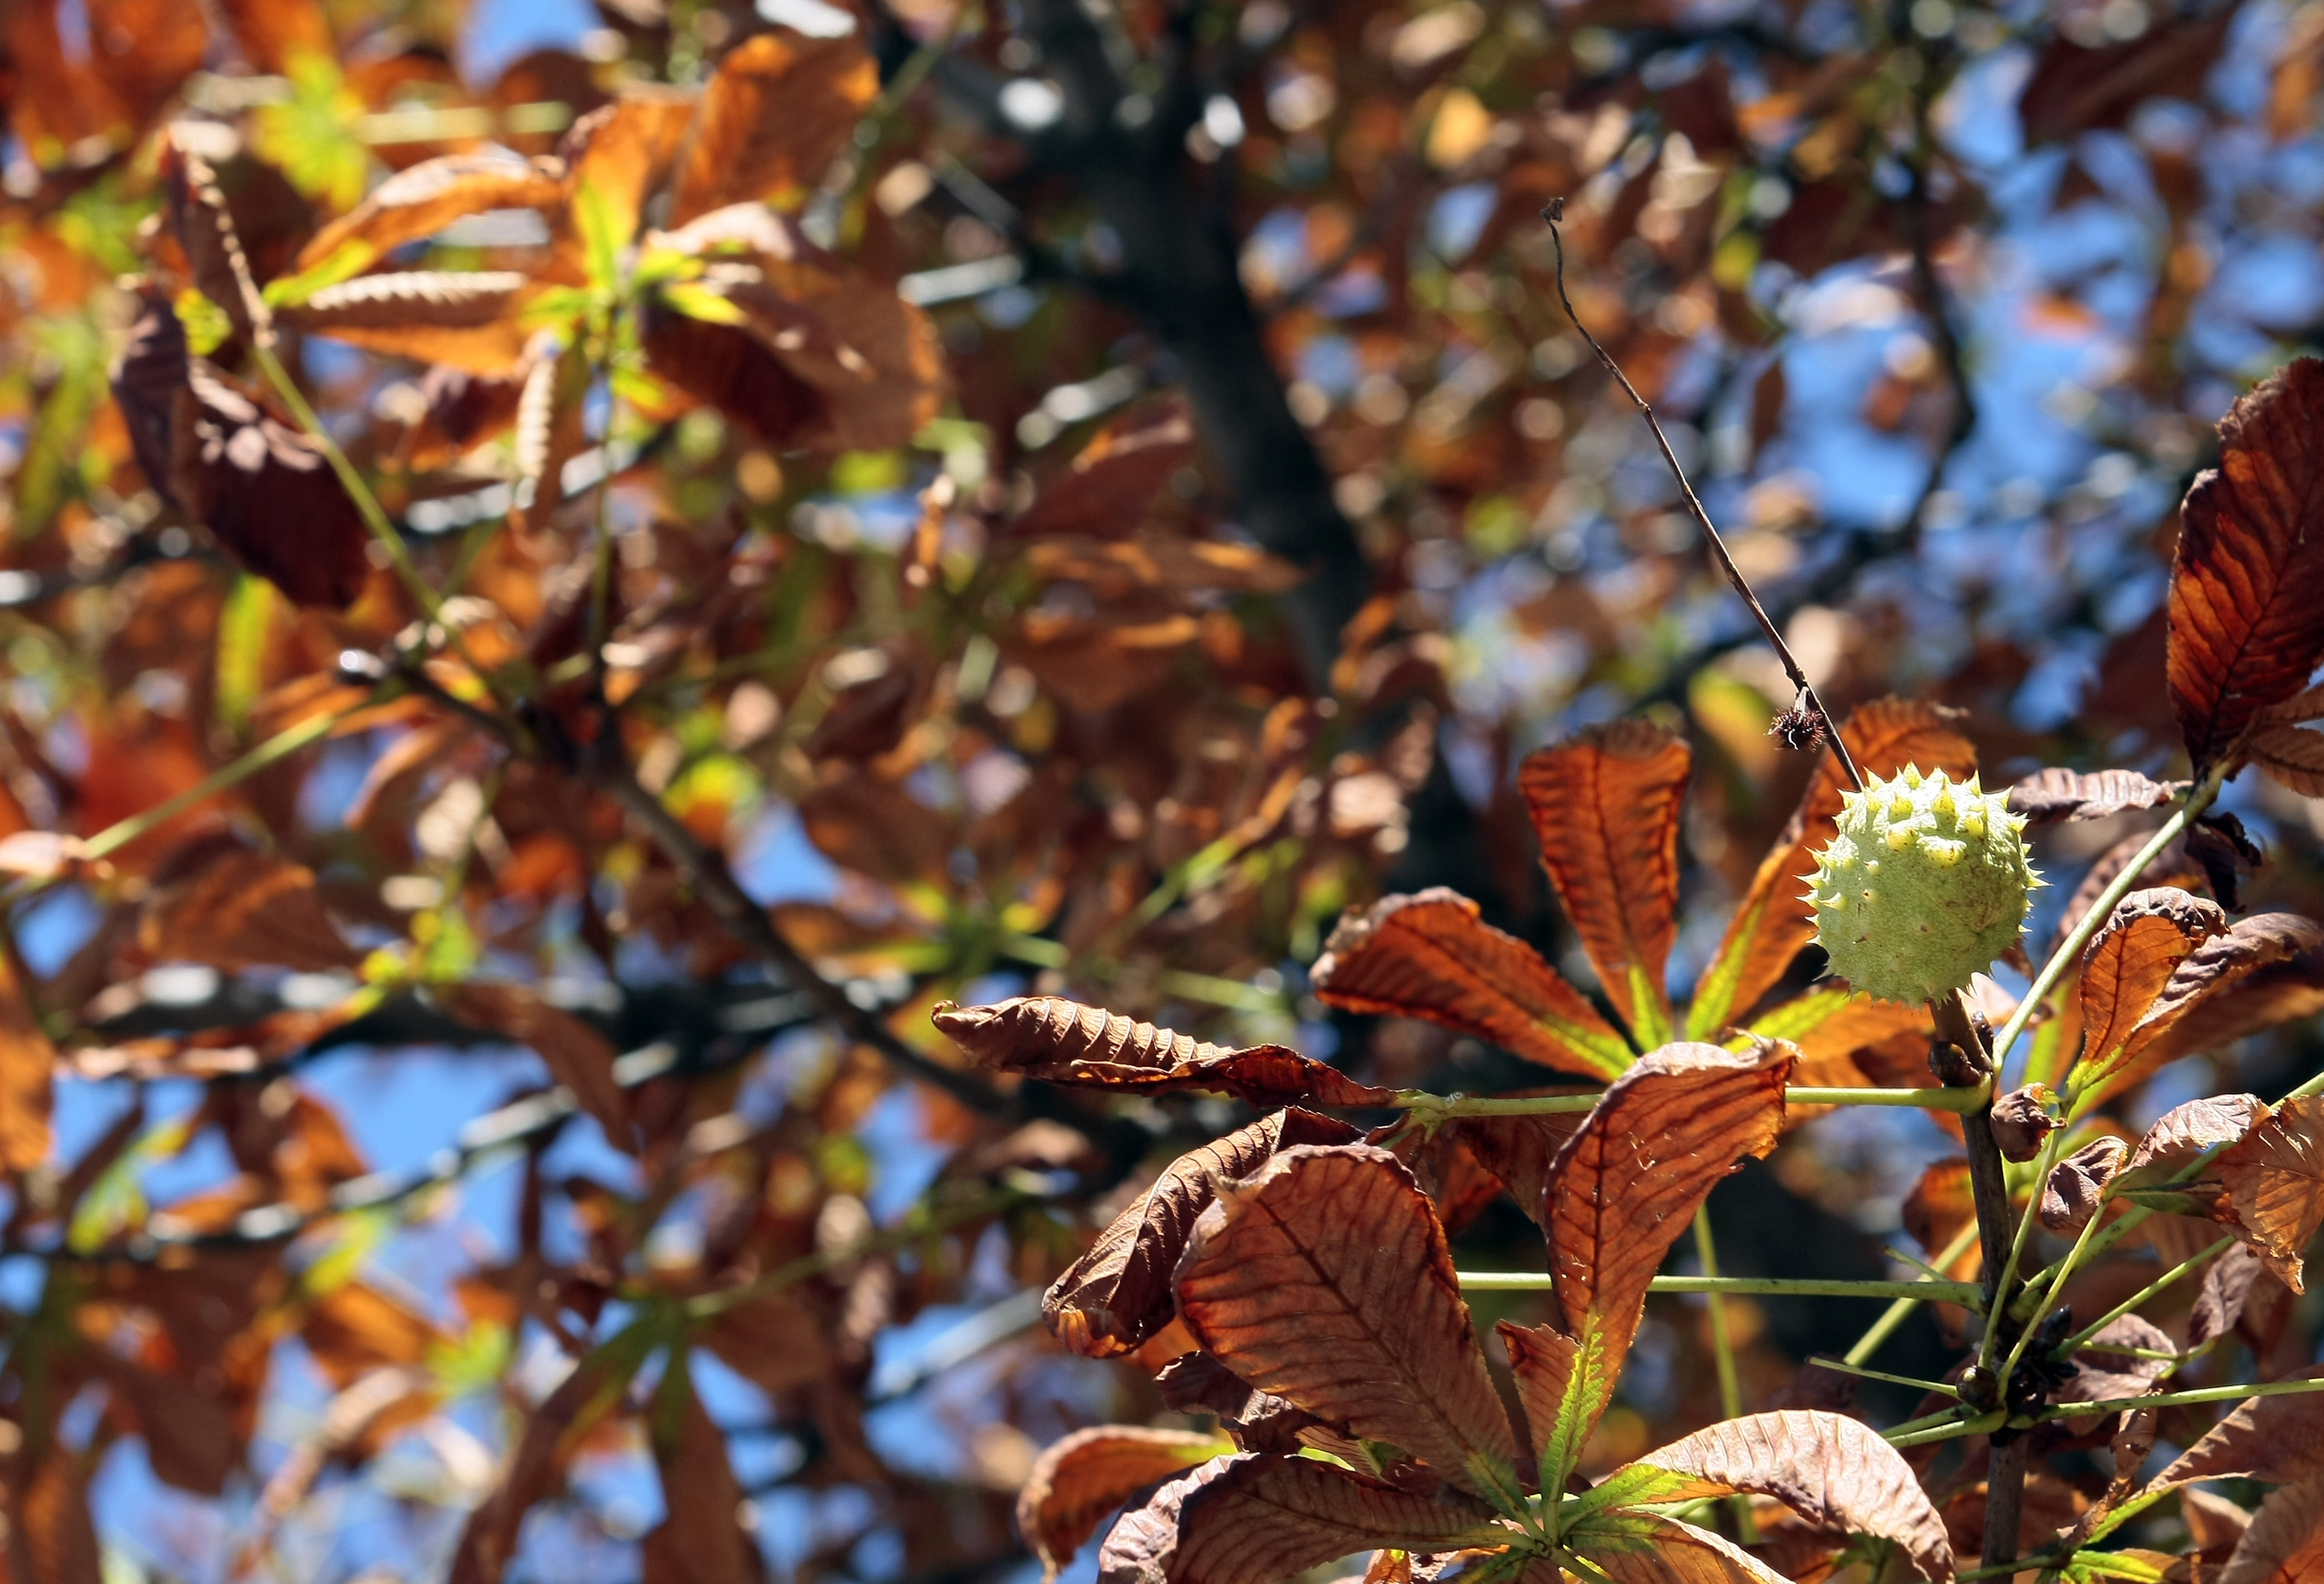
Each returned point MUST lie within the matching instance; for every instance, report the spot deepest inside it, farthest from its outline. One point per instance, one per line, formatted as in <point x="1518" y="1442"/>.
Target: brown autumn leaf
<point x="2275" y="1183"/>
<point x="1064" y="1042"/>
<point x="1113" y="479"/>
<point x="2237" y="1280"/>
<point x="620" y="153"/>
<point x="773" y="116"/>
<point x="2185" y="1131"/>
<point x="1774" y="925"/>
<point x="2265" y="970"/>
<point x="2284" y="1543"/>
<point x="2100" y="1376"/>
<point x="2292" y="755"/>
<point x="1839" y="1036"/>
<point x="1118" y="1294"/>
<point x="356" y="1328"/>
<point x="231" y="907"/>
<point x="1835" y="1472"/>
<point x="28" y="1065"/>
<point x="1258" y="1519"/>
<point x="577" y="1056"/>
<point x="1325" y="1278"/>
<point x="2279" y="1440"/>
<point x="773" y="1342"/>
<point x="788" y="341"/>
<point x="2077" y="1184"/>
<point x="465" y="320"/>
<point x="2246" y="606"/>
<point x="205" y="228"/>
<point x="701" y="1539"/>
<point x="1086" y="1475"/>
<point x="265" y="489"/>
<point x="2055" y="795"/>
<point x="1938" y="1206"/>
<point x="1623" y="1189"/>
<point x="1095" y="662"/>
<point x="51" y="1537"/>
<point x="1605" y="806"/>
<point x="1151" y="561"/>
<point x="547" y="1441"/>
<point x="2075" y="86"/>
<point x="190" y="1436"/>
<point x="1430" y="955"/>
<point x="1259" y="1421"/>
<point x="1647" y="1548"/>
<point x="2022" y="1119"/>
<point x="1518" y="1150"/>
<point x="2128" y="965"/>
<point x="419" y="202"/>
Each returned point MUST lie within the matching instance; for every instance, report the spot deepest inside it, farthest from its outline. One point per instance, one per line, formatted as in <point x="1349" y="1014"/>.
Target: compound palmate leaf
<point x="1262" y="1518"/>
<point x="2247" y="608"/>
<point x="1605" y="807"/>
<point x="1119" y="1294"/>
<point x="1836" y="1473"/>
<point x="1325" y="1278"/>
<point x="1622" y="1189"/>
<point x="1430" y="955"/>
<point x="1064" y="1042"/>
<point x="1084" y="1476"/>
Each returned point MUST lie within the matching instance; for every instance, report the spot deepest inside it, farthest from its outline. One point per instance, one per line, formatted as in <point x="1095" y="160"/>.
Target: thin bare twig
<point x="1551" y="216"/>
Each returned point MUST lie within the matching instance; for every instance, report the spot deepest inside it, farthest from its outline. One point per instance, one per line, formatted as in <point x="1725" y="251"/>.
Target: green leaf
<point x="697" y="302"/>
<point x="593" y="216"/>
<point x="243" y="628"/>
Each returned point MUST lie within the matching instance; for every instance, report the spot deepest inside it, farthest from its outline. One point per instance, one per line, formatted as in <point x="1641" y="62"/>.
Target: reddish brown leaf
<point x="28" y="1064"/>
<point x="421" y="201"/>
<point x="2078" y="1184"/>
<point x="1605" y="807"/>
<point x="1064" y="1041"/>
<point x="1518" y="1150"/>
<point x="1119" y="1294"/>
<point x="1159" y="562"/>
<point x="774" y="1342"/>
<point x="544" y="1445"/>
<point x="2236" y="1280"/>
<point x="1089" y="1473"/>
<point x="2294" y="755"/>
<point x="777" y="110"/>
<point x="2275" y="1183"/>
<point x="1838" y="1033"/>
<point x="701" y="1540"/>
<point x="1774" y="925"/>
<point x="1115" y="477"/>
<point x="1324" y="1277"/>
<point x="2285" y="1544"/>
<point x="230" y="906"/>
<point x="2101" y="1377"/>
<point x="2279" y="1440"/>
<point x="2247" y="609"/>
<point x="806" y="351"/>
<point x="2054" y="795"/>
<point x="236" y="466"/>
<point x="1259" y="1421"/>
<point x="463" y="319"/>
<point x="355" y="1329"/>
<point x="2128" y="964"/>
<point x="577" y="1056"/>
<point x="1623" y="1189"/>
<point x="1836" y="1473"/>
<point x="2265" y="969"/>
<point x="2022" y="1119"/>
<point x="190" y="1436"/>
<point x="1938" y="1206"/>
<point x="51" y="1538"/>
<point x="620" y="153"/>
<point x="1256" y="1519"/>
<point x="1430" y="956"/>
<point x="2076" y="87"/>
<point x="2184" y="1132"/>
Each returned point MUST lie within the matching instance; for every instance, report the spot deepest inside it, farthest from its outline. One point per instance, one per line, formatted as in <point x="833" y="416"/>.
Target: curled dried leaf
<point x="2022" y="1119"/>
<point x="2052" y="797"/>
<point x="2284" y="1541"/>
<point x="2077" y="1184"/>
<point x="1064" y="1041"/>
<point x="2279" y="1440"/>
<point x="231" y="907"/>
<point x="1089" y="1473"/>
<point x="2274" y="1182"/>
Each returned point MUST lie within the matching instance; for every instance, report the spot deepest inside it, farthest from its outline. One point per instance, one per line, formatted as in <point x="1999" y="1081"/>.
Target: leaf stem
<point x="1549" y="1105"/>
<point x="1901" y="1311"/>
<point x="2082" y="1338"/>
<point x="2220" y="1394"/>
<point x="1551" y="216"/>
<point x="1730" y="1390"/>
<point x="1962" y="1292"/>
<point x="1825" y="1361"/>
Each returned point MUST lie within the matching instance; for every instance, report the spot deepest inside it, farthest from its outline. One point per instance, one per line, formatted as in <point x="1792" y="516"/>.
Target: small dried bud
<point x="2022" y="1119"/>
<point x="2076" y="1188"/>
<point x="1956" y="1068"/>
<point x="1802" y="728"/>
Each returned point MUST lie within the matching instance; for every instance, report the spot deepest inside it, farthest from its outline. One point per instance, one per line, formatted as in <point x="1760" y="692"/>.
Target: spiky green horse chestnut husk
<point x="1926" y="884"/>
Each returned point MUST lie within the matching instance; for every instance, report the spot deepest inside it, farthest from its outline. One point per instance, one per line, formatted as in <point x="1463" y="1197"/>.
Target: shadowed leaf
<point x="701" y="1539"/>
<point x="51" y="1537"/>
<point x="232" y="907"/>
<point x="1087" y="1474"/>
<point x="2052" y="797"/>
<point x="1430" y="956"/>
<point x="1518" y="1150"/>
<point x="1256" y="1519"/>
<point x="777" y="110"/>
<point x="1259" y="1421"/>
<point x="1623" y="1189"/>
<point x="2077" y="1184"/>
<point x="2284" y="1543"/>
<point x="1836" y="1473"/>
<point x="1605" y="807"/>
<point x="1774" y="925"/>
<point x="1325" y="1278"/>
<point x="1064" y="1042"/>
<point x="2292" y="755"/>
<point x="577" y="1056"/>
<point x="1831" y="1026"/>
<point x="2234" y="1280"/>
<point x="2279" y="1440"/>
<point x="2106" y="1377"/>
<point x="2275" y="1183"/>
<point x="2247" y="611"/>
<point x="1119" y="1294"/>
<point x="2128" y="964"/>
